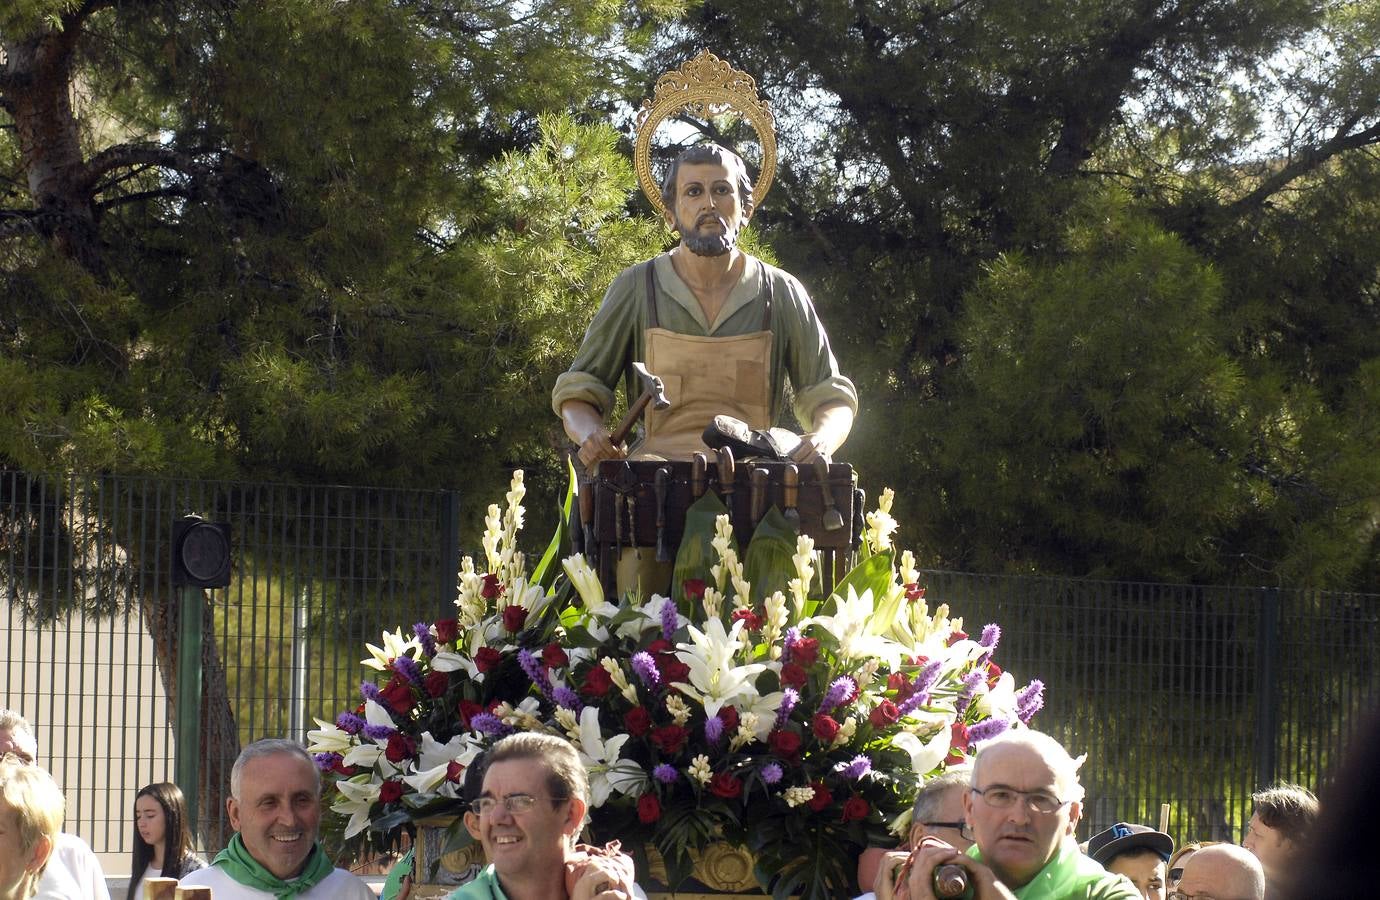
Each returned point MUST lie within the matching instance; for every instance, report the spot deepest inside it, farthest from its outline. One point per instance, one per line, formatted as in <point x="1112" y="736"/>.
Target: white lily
<point x="600" y="757"/>
<point x="852" y="627"/>
<point x="329" y="739"/>
<point x="357" y="797"/>
<point x="649" y="617"/>
<point x="714" y="680"/>
<point x="394" y="645"/>
<point x="434" y="759"/>
<point x="999" y="701"/>
<point x="586" y="582"/>
<point x="763" y="709"/>
<point x="924" y="755"/>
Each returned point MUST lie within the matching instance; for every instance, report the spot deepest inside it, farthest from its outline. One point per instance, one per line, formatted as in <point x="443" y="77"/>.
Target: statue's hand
<point x="598" y="446"/>
<point x="812" y="446"/>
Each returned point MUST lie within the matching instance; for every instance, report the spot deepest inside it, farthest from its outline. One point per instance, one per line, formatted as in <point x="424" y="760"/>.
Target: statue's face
<point x="708" y="212"/>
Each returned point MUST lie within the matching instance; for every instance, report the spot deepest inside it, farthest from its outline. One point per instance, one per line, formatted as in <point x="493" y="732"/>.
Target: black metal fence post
<point x="1267" y="653"/>
<point x="450" y="549"/>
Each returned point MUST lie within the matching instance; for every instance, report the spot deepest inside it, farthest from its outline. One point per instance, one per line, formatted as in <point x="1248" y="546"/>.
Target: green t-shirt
<point x="800" y="346"/>
<point x="485" y="887"/>
<point x="1072" y="876"/>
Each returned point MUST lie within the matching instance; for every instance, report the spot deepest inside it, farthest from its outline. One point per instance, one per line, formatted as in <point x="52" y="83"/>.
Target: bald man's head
<point x="1223" y="871"/>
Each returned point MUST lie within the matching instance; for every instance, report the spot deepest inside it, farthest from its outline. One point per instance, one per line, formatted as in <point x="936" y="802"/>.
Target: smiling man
<point x="275" y="808"/>
<point x="531" y="807"/>
<point x="1022" y="808"/>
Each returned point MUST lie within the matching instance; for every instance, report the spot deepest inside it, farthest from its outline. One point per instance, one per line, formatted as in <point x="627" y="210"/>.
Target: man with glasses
<point x="1023" y="806"/>
<point x="532" y="805"/>
<point x="937" y="812"/>
<point x="275" y="809"/>
<point x="1221" y="872"/>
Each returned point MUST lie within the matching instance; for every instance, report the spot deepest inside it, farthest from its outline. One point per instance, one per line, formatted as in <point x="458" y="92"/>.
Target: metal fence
<point x="1185" y="696"/>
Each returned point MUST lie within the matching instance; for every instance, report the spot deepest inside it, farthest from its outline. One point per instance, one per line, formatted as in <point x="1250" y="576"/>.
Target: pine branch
<point x="1307" y="161"/>
<point x="139" y="154"/>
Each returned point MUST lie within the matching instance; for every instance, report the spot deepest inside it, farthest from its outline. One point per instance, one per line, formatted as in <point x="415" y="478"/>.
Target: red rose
<point x="729" y="716"/>
<point x="784" y="743"/>
<point x="993" y="674"/>
<point x="822" y="798"/>
<point x="343" y="770"/>
<point x="955" y="758"/>
<point x="398" y="695"/>
<point x="794" y="676"/>
<point x="957" y="636"/>
<point x="901" y="684"/>
<point x="694" y="589"/>
<point x="660" y="645"/>
<point x="638" y="721"/>
<point x="670" y="738"/>
<point x="390" y="791"/>
<point x="672" y="669"/>
<point x="805" y="651"/>
<point x="825" y="728"/>
<point x="958" y="736"/>
<point x="400" y="747"/>
<point x="436" y="683"/>
<point x="597" y="682"/>
<point x="487" y="659"/>
<point x="886" y="713"/>
<point x="491" y="588"/>
<point x="554" y="657"/>
<point x="454" y="772"/>
<point x="919" y="661"/>
<point x="914" y="593"/>
<point x="468" y="709"/>
<point x="753" y="620"/>
<point x="725" y="785"/>
<point x="855" y="808"/>
<point x="446" y="630"/>
<point x="513" y="617"/>
<point x="648" y="809"/>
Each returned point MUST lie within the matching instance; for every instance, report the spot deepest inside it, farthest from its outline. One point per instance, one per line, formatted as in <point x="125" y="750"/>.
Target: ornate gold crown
<point x="706" y="86"/>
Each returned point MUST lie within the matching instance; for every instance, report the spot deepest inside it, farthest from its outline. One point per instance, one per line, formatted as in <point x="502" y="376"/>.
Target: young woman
<point x="162" y="841"/>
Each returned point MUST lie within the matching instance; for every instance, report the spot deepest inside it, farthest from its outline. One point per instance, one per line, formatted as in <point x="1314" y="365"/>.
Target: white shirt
<point x="72" y="873"/>
<point x="339" y="885"/>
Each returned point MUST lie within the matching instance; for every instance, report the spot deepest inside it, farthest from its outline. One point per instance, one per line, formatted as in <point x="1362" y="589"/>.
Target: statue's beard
<point x="707" y="243"/>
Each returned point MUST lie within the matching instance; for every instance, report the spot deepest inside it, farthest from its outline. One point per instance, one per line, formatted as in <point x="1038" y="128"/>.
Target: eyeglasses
<point x="1176" y="873"/>
<point x="1004" y="797"/>
<point x="961" y="827"/>
<point x="514" y="803"/>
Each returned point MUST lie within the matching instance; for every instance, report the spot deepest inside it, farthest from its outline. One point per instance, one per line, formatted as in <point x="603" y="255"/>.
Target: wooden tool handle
<point x="160" y="888"/>
<point x="790" y="486"/>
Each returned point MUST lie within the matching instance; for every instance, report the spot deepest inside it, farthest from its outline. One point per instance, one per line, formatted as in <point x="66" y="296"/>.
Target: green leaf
<point x="696" y="553"/>
<point x="873" y="573"/>
<point x="549" y="567"/>
<point x="769" y="563"/>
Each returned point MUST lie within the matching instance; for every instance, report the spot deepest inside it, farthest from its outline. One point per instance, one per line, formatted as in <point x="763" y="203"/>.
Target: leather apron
<point x="704" y="377"/>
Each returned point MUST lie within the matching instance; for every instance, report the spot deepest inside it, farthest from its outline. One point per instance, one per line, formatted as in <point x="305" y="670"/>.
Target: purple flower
<point x="564" y="696"/>
<point x="928" y="675"/>
<point x="840" y="692"/>
<point x="771" y="773"/>
<point x="665" y="773"/>
<point x="369" y="691"/>
<point x="987" y="729"/>
<point x="377" y="732"/>
<point x="645" y="667"/>
<point x="423" y="632"/>
<point x="407" y="667"/>
<point x="669" y="620"/>
<point x="349" y="723"/>
<point x="913" y="702"/>
<point x="535" y="670"/>
<point x="1030" y="700"/>
<point x="713" y="729"/>
<point x="490" y="724"/>
<point x="855" y="768"/>
<point x="790" y="639"/>
<point x="789" y="698"/>
<point x="971" y="681"/>
<point x="326" y="761"/>
<point x="991" y="634"/>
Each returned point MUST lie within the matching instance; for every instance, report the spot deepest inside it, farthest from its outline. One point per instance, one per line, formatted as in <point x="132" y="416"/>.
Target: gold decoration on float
<point x="705" y="86"/>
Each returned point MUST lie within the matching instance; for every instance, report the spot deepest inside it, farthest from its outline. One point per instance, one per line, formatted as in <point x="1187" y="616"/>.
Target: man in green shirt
<point x="1023" y="807"/>
<point x="723" y="330"/>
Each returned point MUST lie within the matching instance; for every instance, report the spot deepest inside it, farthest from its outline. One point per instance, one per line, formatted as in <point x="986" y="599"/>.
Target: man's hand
<point x="832" y="422"/>
<point x="812" y="446"/>
<point x="599" y="879"/>
<point x="884" y="886"/>
<point x="585" y="426"/>
<point x="932" y="853"/>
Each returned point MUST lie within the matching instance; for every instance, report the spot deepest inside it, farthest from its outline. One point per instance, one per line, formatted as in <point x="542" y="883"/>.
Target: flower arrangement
<point x="748" y="708"/>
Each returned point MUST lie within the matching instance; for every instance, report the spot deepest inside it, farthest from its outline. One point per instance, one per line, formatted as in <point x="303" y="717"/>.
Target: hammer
<point x="653" y="392"/>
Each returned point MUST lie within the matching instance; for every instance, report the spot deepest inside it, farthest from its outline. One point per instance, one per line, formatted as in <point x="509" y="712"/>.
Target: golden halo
<point x="706" y="85"/>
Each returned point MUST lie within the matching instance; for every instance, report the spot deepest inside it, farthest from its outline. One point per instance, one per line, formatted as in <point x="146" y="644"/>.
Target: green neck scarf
<point x="245" y="869"/>
<point x="1068" y="871"/>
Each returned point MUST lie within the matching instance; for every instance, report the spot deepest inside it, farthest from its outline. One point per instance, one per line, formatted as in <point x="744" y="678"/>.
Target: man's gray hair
<point x="1047" y="748"/>
<point x="268" y="747"/>
<point x="931" y="793"/>
<point x="20" y="730"/>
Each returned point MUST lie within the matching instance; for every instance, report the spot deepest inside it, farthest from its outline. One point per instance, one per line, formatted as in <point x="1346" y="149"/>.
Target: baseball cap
<point x="1123" y="837"/>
